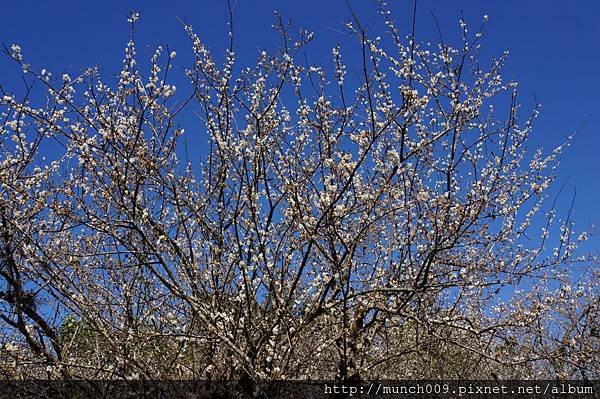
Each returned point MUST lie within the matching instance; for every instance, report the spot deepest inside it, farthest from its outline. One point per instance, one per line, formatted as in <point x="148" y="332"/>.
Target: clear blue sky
<point x="554" y="52"/>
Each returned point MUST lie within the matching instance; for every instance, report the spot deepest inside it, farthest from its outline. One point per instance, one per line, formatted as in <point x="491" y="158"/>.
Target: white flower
<point x="133" y="17"/>
<point x="10" y="347"/>
<point x="394" y="157"/>
<point x="30" y="329"/>
<point x="16" y="52"/>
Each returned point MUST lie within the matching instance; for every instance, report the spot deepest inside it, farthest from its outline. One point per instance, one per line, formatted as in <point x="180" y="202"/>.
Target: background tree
<point x="381" y="225"/>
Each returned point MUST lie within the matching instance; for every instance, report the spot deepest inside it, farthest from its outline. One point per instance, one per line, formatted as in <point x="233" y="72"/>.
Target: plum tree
<point x="371" y="226"/>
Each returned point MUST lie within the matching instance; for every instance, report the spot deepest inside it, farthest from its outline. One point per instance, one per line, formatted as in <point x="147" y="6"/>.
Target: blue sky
<point x="553" y="44"/>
